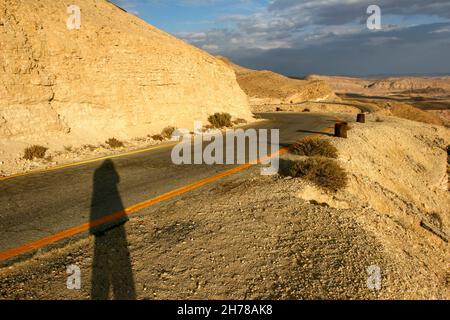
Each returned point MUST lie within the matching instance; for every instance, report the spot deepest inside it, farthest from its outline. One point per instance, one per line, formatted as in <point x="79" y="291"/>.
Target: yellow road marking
<point x="8" y="254"/>
<point x="76" y="164"/>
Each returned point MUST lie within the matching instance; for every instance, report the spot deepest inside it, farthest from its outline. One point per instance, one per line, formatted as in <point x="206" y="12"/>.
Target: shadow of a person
<point x="111" y="267"/>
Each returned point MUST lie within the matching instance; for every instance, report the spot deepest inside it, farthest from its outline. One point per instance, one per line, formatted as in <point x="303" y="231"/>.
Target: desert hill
<point x="420" y="85"/>
<point x="424" y="99"/>
<point x="342" y="84"/>
<point x="116" y="76"/>
<point x="269" y="88"/>
<point x="412" y="83"/>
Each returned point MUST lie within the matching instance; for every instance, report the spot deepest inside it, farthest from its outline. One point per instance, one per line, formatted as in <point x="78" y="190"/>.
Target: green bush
<point x="325" y="173"/>
<point x="314" y="147"/>
<point x="35" y="151"/>
<point x="114" y="143"/>
<point x="220" y="120"/>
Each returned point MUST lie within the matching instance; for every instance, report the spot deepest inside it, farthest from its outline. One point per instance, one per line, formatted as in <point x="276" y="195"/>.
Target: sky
<point x="301" y="37"/>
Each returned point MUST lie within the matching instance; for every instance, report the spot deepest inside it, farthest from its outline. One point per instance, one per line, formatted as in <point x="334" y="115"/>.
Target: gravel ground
<point x="244" y="238"/>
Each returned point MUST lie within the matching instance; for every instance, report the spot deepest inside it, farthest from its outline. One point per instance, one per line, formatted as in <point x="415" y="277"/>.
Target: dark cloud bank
<point x="296" y="37"/>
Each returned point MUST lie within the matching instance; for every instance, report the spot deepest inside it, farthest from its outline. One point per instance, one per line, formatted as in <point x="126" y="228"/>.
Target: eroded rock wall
<point x="115" y="76"/>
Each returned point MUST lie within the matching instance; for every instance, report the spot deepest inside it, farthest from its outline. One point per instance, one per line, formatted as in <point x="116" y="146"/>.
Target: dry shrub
<point x="35" y="151"/>
<point x="325" y="173"/>
<point x="114" y="143"/>
<point x="220" y="120"/>
<point x="314" y="147"/>
<point x="167" y="132"/>
<point x="158" y="137"/>
<point x="306" y="110"/>
<point x="436" y="219"/>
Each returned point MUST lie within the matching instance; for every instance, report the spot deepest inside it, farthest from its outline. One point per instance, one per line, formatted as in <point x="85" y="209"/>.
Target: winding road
<point x="40" y="209"/>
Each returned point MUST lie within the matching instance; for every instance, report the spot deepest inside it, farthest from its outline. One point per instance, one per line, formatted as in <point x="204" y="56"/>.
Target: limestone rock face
<point x="116" y="76"/>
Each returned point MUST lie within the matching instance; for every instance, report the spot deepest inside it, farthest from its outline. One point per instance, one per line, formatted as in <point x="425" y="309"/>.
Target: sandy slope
<point x="267" y="88"/>
<point x="399" y="168"/>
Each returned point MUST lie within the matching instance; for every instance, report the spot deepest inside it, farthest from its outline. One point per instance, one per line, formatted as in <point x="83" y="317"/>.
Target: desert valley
<point x="108" y="96"/>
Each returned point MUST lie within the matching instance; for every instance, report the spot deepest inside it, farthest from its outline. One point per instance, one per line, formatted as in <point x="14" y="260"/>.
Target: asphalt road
<point x="41" y="204"/>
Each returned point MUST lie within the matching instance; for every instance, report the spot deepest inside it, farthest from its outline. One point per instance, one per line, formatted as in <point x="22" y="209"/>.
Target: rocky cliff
<point x="115" y="76"/>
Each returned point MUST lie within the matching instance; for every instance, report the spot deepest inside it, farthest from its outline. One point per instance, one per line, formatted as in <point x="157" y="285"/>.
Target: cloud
<point x="411" y="50"/>
<point x="297" y="37"/>
<point x="210" y="47"/>
<point x="129" y="5"/>
<point x="330" y="36"/>
<point x="331" y="12"/>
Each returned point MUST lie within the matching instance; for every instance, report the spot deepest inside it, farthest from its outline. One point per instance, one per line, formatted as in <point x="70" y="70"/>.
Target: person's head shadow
<point x="111" y="269"/>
